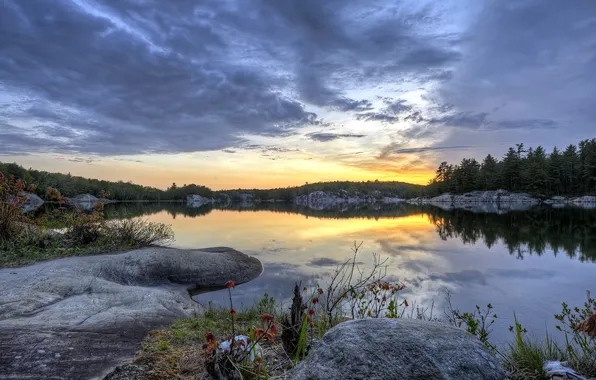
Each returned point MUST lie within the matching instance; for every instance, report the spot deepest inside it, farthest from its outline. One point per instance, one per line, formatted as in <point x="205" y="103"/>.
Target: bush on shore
<point x="67" y="231"/>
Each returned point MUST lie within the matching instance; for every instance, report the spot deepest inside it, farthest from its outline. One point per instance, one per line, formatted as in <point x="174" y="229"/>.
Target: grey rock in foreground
<point x="379" y="349"/>
<point x="79" y="317"/>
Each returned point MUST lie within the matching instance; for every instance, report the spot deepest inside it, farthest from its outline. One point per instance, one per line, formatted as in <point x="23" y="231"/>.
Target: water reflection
<point x="527" y="262"/>
<point x="571" y="231"/>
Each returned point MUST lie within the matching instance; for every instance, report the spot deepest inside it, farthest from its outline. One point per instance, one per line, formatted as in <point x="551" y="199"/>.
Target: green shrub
<point x="137" y="232"/>
<point x="11" y="198"/>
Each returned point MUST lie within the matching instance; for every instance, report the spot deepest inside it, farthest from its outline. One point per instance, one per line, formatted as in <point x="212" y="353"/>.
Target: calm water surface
<point x="525" y="262"/>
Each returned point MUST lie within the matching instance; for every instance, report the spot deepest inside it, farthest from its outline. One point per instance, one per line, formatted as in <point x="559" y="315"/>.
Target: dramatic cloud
<point x="392" y="111"/>
<point x="530" y="64"/>
<point x="324" y="137"/>
<point x="124" y="77"/>
<point x="396" y="149"/>
<point x="424" y="78"/>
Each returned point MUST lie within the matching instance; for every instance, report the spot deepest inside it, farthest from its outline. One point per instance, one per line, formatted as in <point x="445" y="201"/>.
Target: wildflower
<point x="311" y="312"/>
<point x="267" y="317"/>
<point x="273" y="329"/>
<point x="232" y="312"/>
<point x="230" y="284"/>
<point x="320" y="291"/>
<point x="406" y="303"/>
<point x="315" y="300"/>
<point x="210" y="337"/>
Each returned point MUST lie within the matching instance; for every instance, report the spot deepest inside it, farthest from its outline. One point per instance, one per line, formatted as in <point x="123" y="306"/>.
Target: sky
<point x="275" y="93"/>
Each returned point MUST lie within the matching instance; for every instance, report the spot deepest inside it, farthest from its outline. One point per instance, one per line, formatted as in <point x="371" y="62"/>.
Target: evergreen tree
<point x="511" y="170"/>
<point x="572" y="172"/>
<point x="555" y="172"/>
<point x="535" y="171"/>
<point x="489" y="174"/>
<point x="571" y="166"/>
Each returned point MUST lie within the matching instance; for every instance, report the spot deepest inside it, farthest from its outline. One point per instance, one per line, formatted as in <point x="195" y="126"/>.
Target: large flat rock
<point x="79" y="317"/>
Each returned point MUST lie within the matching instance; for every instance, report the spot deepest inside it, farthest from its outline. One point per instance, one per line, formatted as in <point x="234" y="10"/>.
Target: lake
<point x="523" y="262"/>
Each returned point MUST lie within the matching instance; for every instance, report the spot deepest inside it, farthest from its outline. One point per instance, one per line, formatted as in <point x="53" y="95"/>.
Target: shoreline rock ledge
<point x="80" y="317"/>
<point x="384" y="349"/>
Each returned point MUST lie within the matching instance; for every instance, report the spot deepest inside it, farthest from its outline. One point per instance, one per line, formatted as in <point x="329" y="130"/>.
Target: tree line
<point x="70" y="186"/>
<point x="533" y="170"/>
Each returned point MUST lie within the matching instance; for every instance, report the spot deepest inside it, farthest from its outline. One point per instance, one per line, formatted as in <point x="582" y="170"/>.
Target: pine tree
<point x="489" y="174"/>
<point x="555" y="174"/>
<point x="571" y="170"/>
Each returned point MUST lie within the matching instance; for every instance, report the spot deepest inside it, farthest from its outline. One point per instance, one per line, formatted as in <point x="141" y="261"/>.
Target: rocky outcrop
<point x="392" y="200"/>
<point x="86" y="201"/>
<point x="321" y="200"/>
<point x="398" y="349"/>
<point x="587" y="200"/>
<point x="79" y="317"/>
<point x="498" y="196"/>
<point x="498" y="201"/>
<point x="31" y="202"/>
<point x="197" y="201"/>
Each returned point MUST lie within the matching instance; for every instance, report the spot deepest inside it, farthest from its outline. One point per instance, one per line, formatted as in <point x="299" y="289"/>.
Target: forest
<point x="533" y="170"/>
<point x="70" y="186"/>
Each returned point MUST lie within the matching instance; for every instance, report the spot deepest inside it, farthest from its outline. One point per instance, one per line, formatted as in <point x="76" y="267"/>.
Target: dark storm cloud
<point x="269" y="148"/>
<point x="124" y="77"/>
<point x="484" y="120"/>
<point x="526" y="124"/>
<point x="112" y="77"/>
<point x="430" y="149"/>
<point x="532" y="64"/>
<point x="391" y="112"/>
<point x="324" y="137"/>
<point x="397" y="148"/>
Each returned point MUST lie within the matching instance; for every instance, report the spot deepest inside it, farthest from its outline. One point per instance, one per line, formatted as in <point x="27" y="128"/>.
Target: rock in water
<point x="388" y="349"/>
<point x="32" y="202"/>
<point x="197" y="200"/>
<point x="79" y="317"/>
<point x="321" y="200"/>
<point x="86" y="201"/>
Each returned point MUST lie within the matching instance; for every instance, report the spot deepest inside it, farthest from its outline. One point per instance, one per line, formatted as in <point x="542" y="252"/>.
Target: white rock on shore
<point x="86" y="201"/>
<point x="197" y="200"/>
<point x="32" y="202"/>
<point x="321" y="200"/>
<point x="500" y="200"/>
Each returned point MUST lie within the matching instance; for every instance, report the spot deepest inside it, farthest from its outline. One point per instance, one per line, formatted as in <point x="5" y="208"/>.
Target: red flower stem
<point x="232" y="315"/>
